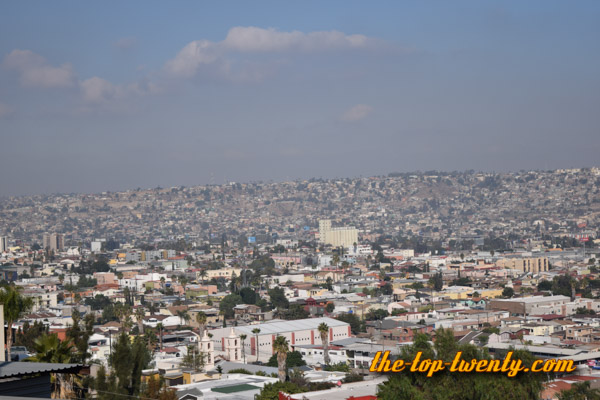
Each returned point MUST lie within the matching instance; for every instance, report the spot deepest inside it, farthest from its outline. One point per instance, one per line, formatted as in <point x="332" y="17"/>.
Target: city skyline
<point x="122" y="97"/>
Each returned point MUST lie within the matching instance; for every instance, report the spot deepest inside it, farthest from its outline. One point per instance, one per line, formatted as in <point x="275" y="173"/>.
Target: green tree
<point x="437" y="282"/>
<point x="156" y="389"/>
<point x="228" y="303"/>
<point x="580" y="391"/>
<point x="271" y="390"/>
<point x="545" y="285"/>
<point x="281" y="349"/>
<point x="356" y="326"/>
<point x="562" y="285"/>
<point x="15" y="305"/>
<point x="460" y="386"/>
<point x="324" y="333"/>
<point x="79" y="333"/>
<point x="278" y="299"/>
<point x="201" y="320"/>
<point x="127" y="361"/>
<point x="27" y="336"/>
<point x="294" y="359"/>
<point x="243" y="338"/>
<point x="508" y="292"/>
<point x="256" y="331"/>
<point x="330" y="307"/>
<point x="248" y="295"/>
<point x="194" y="359"/>
<point x="49" y="349"/>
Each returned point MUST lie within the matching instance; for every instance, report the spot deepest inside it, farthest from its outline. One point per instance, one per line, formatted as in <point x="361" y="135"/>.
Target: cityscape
<point x="285" y="201"/>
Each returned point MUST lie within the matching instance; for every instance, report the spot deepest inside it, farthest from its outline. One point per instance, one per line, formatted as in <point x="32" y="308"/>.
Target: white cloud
<point x="256" y="40"/>
<point x="191" y="57"/>
<point x="356" y="113"/>
<point x="35" y="71"/>
<point x="97" y="90"/>
<point x="5" y="110"/>
<point x="253" y="39"/>
<point x="126" y="43"/>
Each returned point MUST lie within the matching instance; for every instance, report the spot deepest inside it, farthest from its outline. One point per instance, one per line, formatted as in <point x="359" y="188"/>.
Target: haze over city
<point x="114" y="96"/>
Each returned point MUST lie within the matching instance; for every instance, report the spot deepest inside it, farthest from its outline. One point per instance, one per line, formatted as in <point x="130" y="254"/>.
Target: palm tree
<point x="203" y="274"/>
<point x="183" y="316"/>
<point x="160" y="333"/>
<point x="281" y="348"/>
<point x="243" y="337"/>
<point x="48" y="348"/>
<point x="15" y="305"/>
<point x="256" y="331"/>
<point x="201" y="320"/>
<point x="324" y="332"/>
<point x="139" y="316"/>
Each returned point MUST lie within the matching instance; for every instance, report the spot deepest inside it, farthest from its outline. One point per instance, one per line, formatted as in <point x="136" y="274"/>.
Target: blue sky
<point x="117" y="95"/>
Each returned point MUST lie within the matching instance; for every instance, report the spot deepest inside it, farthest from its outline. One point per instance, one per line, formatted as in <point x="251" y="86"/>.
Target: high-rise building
<point x="345" y="236"/>
<point x="3" y="244"/>
<point x="54" y="241"/>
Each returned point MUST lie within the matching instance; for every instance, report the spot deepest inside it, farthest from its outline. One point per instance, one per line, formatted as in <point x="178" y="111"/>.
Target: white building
<point x="345" y="236"/>
<point x="297" y="332"/>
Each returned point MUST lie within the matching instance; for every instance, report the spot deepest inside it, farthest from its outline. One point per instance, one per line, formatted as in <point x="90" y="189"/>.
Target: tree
<point x="161" y="329"/>
<point x="201" y="320"/>
<point x="248" y="295"/>
<point x="228" y="303"/>
<point x="278" y="299"/>
<point x="29" y="334"/>
<point x="437" y="282"/>
<point x="562" y="285"/>
<point x="127" y="361"/>
<point x="580" y="391"/>
<point x="15" y="305"/>
<point x="281" y="349"/>
<point x="243" y="337"/>
<point x="508" y="292"/>
<point x="271" y="390"/>
<point x="376" y="315"/>
<point x="324" y="333"/>
<point x="155" y="389"/>
<point x="194" y="359"/>
<point x="460" y="386"/>
<point x="293" y="360"/>
<point x="356" y="325"/>
<point x="49" y="349"/>
<point x="256" y="331"/>
<point x="79" y="333"/>
<point x="139" y="316"/>
<point x="330" y="307"/>
<point x="545" y="285"/>
<point x="183" y="316"/>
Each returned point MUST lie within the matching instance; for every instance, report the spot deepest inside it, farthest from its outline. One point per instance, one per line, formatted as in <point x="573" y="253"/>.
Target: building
<point x="3" y="244"/>
<point x="337" y="237"/>
<point x="532" y="264"/>
<point x="54" y="241"/>
<point x="534" y="305"/>
<point x="297" y="332"/>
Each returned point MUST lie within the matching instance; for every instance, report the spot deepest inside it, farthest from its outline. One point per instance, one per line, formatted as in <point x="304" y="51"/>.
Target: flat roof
<point x="278" y="327"/>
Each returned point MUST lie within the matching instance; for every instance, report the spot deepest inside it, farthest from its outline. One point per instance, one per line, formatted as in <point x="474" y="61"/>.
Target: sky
<point x="113" y="95"/>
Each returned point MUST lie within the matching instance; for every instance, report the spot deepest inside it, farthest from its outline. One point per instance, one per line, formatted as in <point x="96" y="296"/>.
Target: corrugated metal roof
<point x="15" y="368"/>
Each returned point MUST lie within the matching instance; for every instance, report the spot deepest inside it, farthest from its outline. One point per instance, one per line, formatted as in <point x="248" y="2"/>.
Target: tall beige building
<point x="55" y="241"/>
<point x="531" y="264"/>
<point x="337" y="237"/>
